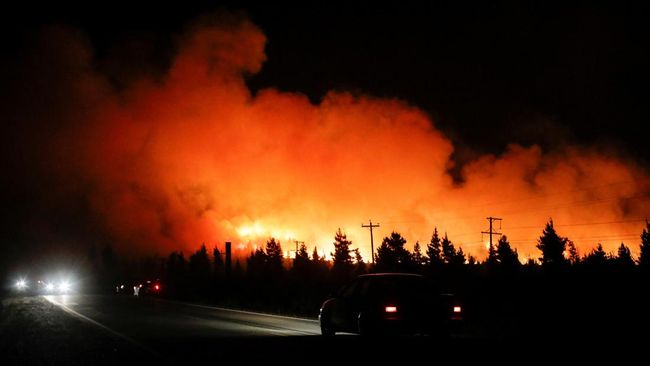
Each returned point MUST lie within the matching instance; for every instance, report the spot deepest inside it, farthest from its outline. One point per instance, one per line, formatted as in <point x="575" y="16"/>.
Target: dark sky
<point x="489" y="73"/>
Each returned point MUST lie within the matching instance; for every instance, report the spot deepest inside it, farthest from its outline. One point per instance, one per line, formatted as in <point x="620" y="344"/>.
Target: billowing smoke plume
<point x="168" y="163"/>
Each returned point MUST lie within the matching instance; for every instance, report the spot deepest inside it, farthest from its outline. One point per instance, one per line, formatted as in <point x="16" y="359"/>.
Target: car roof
<point x="390" y="275"/>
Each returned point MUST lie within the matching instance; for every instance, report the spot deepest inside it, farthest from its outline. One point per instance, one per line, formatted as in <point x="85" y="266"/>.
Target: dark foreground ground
<point x="35" y="331"/>
<point x="103" y="330"/>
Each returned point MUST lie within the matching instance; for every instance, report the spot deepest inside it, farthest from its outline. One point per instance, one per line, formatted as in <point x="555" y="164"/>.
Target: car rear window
<point x="398" y="287"/>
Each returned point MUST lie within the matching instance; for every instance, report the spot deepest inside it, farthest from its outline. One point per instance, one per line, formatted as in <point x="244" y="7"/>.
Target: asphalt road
<point x="109" y="330"/>
<point x="170" y="331"/>
<point x="152" y="318"/>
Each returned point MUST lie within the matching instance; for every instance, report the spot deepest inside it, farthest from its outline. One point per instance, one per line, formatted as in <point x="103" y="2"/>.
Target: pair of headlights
<point x="63" y="286"/>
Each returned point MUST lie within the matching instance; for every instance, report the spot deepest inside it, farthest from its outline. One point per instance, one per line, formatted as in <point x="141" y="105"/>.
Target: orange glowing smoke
<point x="195" y="157"/>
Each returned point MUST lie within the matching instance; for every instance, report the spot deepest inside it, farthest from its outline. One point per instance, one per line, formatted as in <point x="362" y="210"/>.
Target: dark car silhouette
<point x="390" y="303"/>
<point x="150" y="287"/>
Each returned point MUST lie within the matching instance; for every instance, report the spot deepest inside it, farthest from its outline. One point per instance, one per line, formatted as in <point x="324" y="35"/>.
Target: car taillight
<point x="157" y="287"/>
<point x="391" y="309"/>
<point x="457" y="310"/>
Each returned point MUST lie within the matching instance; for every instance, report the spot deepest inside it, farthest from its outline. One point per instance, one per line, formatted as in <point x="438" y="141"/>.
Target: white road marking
<point x="315" y="321"/>
<point x="72" y="312"/>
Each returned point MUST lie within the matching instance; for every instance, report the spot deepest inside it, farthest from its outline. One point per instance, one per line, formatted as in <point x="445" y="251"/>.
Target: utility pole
<point x="372" y="244"/>
<point x="297" y="242"/>
<point x="491" y="232"/>
<point x="228" y="259"/>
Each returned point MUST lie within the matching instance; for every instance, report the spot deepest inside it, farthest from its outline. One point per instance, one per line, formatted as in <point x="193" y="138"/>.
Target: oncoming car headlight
<point x="53" y="284"/>
<point x="64" y="286"/>
<point x="21" y="284"/>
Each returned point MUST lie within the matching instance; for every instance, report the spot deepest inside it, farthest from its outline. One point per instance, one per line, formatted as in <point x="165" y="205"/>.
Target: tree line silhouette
<point x="504" y="297"/>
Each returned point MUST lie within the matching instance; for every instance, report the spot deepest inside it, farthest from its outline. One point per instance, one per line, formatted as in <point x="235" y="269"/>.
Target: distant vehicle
<point x="49" y="287"/>
<point x="150" y="287"/>
<point x="390" y="303"/>
<point x="124" y="288"/>
<point x="21" y="285"/>
<point x="138" y="288"/>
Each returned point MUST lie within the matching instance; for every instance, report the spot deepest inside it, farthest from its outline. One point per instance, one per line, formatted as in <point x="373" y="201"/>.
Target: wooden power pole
<point x="372" y="244"/>
<point x="492" y="232"/>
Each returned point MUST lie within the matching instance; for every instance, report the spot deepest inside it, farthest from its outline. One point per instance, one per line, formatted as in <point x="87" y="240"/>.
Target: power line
<point x="559" y="225"/>
<point x="580" y="224"/>
<point x="579" y="203"/>
<point x="549" y="208"/>
<point x="602" y="223"/>
<point x="538" y="196"/>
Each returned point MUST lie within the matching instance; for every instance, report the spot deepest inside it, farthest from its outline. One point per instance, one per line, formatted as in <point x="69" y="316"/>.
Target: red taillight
<point x="457" y="310"/>
<point x="157" y="287"/>
<point x="391" y="309"/>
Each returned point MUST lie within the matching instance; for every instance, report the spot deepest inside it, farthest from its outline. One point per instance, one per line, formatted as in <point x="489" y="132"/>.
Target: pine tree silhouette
<point x="274" y="257"/>
<point x="256" y="263"/>
<point x="434" y="250"/>
<point x="574" y="257"/>
<point x="624" y="257"/>
<point x="644" y="252"/>
<point x="199" y="263"/>
<point x="418" y="258"/>
<point x="199" y="271"/>
<point x="459" y="258"/>
<point x="448" y="251"/>
<point x="493" y="258"/>
<point x="552" y="246"/>
<point x="314" y="256"/>
<point x="341" y="256"/>
<point x="342" y="260"/>
<point x="392" y="256"/>
<point x="597" y="257"/>
<point x="471" y="261"/>
<point x="320" y="268"/>
<point x="359" y="264"/>
<point x="301" y="263"/>
<point x="217" y="261"/>
<point x="507" y="257"/>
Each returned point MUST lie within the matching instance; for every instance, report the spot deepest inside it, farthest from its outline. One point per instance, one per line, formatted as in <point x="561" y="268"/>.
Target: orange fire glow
<point x="198" y="158"/>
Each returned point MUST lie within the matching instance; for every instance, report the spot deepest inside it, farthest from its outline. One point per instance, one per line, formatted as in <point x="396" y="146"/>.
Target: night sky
<point x="488" y="75"/>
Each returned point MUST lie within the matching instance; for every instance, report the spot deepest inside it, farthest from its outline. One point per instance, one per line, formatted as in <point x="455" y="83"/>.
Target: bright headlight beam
<point x="64" y="286"/>
<point x="21" y="284"/>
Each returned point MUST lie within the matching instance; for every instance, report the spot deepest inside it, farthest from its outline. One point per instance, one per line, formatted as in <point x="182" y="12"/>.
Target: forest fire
<point x="197" y="157"/>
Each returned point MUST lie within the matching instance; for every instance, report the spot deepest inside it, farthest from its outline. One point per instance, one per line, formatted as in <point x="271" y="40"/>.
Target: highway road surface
<point x="117" y="329"/>
<point x="154" y="318"/>
<point x="169" y="330"/>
